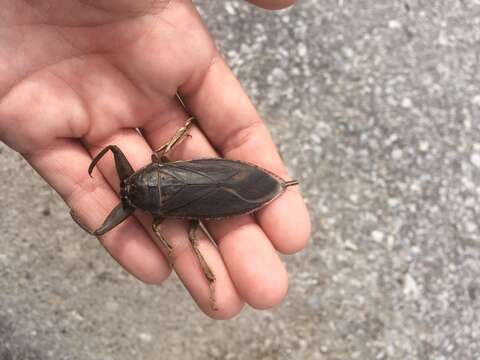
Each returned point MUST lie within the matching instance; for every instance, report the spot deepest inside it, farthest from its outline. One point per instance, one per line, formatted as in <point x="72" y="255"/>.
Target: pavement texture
<point x="375" y="107"/>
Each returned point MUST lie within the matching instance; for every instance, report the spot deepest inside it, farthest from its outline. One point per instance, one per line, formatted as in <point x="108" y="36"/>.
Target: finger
<point x="232" y="125"/>
<point x="272" y="4"/>
<point x="64" y="166"/>
<point x="138" y="153"/>
<point x="253" y="264"/>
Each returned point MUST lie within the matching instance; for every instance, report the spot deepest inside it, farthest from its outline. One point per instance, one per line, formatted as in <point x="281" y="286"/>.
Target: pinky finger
<point x="64" y="166"/>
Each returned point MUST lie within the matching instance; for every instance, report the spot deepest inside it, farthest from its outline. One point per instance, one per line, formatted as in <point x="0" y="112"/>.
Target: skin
<point x="80" y="75"/>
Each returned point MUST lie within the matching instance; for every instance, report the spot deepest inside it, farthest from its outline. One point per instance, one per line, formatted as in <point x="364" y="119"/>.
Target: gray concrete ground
<point x="375" y="106"/>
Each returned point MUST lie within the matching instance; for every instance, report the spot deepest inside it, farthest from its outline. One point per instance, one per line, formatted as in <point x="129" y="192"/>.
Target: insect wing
<point x="215" y="188"/>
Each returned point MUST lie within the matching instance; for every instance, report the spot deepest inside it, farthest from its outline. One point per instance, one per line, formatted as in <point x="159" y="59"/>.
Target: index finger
<point x="233" y="126"/>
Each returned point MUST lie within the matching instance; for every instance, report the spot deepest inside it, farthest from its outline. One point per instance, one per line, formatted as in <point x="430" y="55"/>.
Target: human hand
<point x="78" y="75"/>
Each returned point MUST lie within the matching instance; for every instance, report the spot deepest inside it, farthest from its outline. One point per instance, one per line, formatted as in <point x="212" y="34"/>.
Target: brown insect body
<point x="201" y="189"/>
<point x="197" y="190"/>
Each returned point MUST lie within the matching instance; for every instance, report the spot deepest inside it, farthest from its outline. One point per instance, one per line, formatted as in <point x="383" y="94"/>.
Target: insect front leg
<point x="124" y="169"/>
<point x="116" y="216"/>
<point x="180" y="135"/>
<point x="121" y="211"/>
<point x="209" y="275"/>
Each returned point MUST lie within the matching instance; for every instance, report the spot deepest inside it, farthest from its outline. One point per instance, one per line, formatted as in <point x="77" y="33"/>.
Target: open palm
<point x="78" y="75"/>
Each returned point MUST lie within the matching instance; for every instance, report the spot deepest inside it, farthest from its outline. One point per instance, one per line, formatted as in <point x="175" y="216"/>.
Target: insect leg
<point x="116" y="216"/>
<point x="176" y="139"/>
<point x="124" y="169"/>
<point x="156" y="229"/>
<point x="205" y="231"/>
<point x="120" y="212"/>
<point x="210" y="276"/>
<point x="79" y="222"/>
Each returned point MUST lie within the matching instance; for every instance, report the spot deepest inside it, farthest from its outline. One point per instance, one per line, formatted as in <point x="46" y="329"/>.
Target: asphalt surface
<point x="375" y="107"/>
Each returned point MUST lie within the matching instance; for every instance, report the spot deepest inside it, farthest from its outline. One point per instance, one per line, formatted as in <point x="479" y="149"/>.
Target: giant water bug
<point x="203" y="189"/>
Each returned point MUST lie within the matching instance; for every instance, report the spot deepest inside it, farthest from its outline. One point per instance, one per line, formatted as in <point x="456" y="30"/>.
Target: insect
<point x="203" y="189"/>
